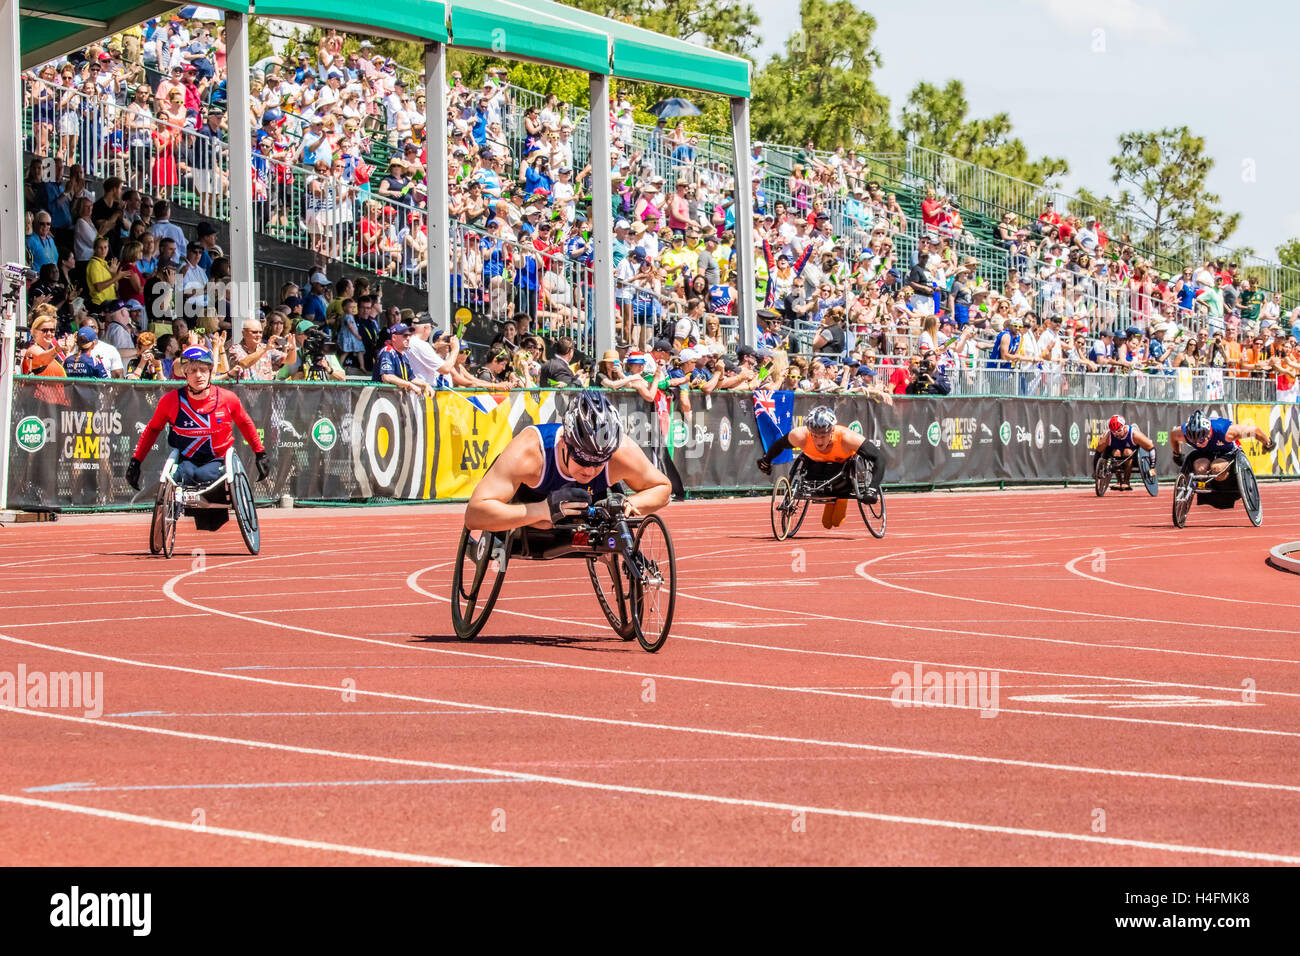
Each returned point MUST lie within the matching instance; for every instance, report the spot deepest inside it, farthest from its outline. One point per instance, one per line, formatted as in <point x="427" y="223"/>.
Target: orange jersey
<point x="836" y="453"/>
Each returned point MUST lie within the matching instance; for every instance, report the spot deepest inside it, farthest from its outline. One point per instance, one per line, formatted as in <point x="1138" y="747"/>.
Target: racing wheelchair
<point x="792" y="495"/>
<point x="630" y="561"/>
<point x="1108" y="467"/>
<point x="1240" y="485"/>
<point x="208" y="505"/>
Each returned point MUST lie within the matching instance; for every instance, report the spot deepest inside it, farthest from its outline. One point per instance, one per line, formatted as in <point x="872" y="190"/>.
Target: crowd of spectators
<point x="857" y="290"/>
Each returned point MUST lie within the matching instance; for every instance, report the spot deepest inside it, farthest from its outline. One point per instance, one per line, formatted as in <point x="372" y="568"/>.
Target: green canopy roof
<point x="506" y="29"/>
<point x="538" y="30"/>
<point x="641" y="54"/>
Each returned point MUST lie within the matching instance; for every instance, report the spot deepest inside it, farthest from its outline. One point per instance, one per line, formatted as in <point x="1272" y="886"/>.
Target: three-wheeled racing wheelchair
<point x="1239" y="485"/>
<point x="630" y="562"/>
<point x="791" y="496"/>
<point x="1109" y="467"/>
<point x="209" y="505"/>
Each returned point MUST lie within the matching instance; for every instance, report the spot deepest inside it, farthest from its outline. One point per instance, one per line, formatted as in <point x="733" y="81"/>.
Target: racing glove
<point x="263" y="467"/>
<point x="568" y="502"/>
<point x="765" y="465"/>
<point x="133" y="474"/>
<point x="1269" y="444"/>
<point x="1178" y="458"/>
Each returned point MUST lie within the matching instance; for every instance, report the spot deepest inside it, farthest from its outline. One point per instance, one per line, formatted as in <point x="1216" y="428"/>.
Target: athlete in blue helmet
<point x="549" y="472"/>
<point x="1213" y="442"/>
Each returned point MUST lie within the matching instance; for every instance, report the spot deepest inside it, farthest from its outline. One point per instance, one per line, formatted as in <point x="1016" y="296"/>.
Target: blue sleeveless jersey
<point x="553" y="476"/>
<point x="1125" y="443"/>
<point x="1219" y="445"/>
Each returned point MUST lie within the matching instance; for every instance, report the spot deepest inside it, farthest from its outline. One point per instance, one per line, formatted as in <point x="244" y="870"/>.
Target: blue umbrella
<point x="675" y="106"/>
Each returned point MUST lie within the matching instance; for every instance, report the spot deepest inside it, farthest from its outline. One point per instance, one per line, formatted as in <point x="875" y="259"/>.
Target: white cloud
<point x="1129" y="18"/>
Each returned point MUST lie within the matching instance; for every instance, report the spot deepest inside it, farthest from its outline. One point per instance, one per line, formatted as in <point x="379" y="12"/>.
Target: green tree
<point x="259" y="39"/>
<point x="820" y="86"/>
<point x="1162" y="176"/>
<point x="729" y="26"/>
<point x="938" y="118"/>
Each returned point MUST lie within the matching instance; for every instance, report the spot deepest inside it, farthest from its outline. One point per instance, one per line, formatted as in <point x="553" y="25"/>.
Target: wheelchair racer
<point x="1122" y="440"/>
<point x="201" y="420"/>
<point x="1213" y="442"/>
<point x="826" y="446"/>
<point x="554" y="471"/>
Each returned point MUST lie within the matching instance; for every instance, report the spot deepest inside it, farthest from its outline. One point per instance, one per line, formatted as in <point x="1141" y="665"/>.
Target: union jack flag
<point x="765" y="403"/>
<point x="193" y="425"/>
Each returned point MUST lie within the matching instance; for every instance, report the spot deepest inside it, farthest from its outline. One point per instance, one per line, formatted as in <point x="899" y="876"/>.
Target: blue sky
<point x="1228" y="71"/>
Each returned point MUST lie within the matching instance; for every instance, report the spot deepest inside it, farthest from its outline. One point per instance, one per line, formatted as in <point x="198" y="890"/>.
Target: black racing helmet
<point x="820" y="420"/>
<point x="1197" y="428"/>
<point x="592" y="428"/>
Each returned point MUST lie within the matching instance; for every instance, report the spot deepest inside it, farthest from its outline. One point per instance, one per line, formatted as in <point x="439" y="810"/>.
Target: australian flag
<point x="774" y="414"/>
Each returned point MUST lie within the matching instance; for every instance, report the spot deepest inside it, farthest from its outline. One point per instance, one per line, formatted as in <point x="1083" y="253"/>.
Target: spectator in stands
<point x="83" y="363"/>
<point x="558" y="371"/>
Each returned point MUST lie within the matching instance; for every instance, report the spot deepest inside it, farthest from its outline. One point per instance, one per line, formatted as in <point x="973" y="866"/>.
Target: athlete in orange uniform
<point x="825" y="447"/>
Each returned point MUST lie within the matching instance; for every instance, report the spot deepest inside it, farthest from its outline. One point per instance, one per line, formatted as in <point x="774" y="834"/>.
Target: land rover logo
<point x="324" y="434"/>
<point x="681" y="435"/>
<point x="855" y="427"/>
<point x="1074" y="433"/>
<point x="31" y="434"/>
<point x="1005" y="433"/>
<point x="933" y="433"/>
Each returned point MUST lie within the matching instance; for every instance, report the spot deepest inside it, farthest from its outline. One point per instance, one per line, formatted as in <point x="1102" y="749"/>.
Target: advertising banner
<point x="71" y="442"/>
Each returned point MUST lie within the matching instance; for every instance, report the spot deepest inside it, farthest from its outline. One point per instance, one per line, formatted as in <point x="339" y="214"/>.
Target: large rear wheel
<point x="1249" y="488"/>
<point x="1183" y="495"/>
<point x="654" y="593"/>
<point x="873" y="511"/>
<point x="241" y="500"/>
<point x="1147" y="465"/>
<point x="613" y="581"/>
<point x="476" y="579"/>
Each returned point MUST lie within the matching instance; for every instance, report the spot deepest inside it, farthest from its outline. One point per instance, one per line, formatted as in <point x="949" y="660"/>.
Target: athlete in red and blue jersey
<point x="201" y="421"/>
<point x="1214" y="442"/>
<point x="1122" y="440"/>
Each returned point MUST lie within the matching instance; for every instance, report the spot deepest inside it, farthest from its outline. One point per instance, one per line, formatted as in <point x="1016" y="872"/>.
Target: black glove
<point x="765" y="465"/>
<point x="568" y="502"/>
<point x="263" y="468"/>
<point x="133" y="474"/>
<point x="1269" y="444"/>
<point x="1178" y="458"/>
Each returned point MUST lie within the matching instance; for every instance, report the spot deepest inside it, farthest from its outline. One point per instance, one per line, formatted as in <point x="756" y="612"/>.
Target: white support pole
<point x="602" y="221"/>
<point x="439" y="249"/>
<point x="13" y="234"/>
<point x="243" y="296"/>
<point x="746" y="308"/>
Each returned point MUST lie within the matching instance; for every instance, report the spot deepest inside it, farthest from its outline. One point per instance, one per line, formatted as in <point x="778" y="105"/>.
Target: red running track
<point x="310" y="706"/>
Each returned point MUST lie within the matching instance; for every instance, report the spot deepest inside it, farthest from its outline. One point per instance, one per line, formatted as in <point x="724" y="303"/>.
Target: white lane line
<point x="187" y="827"/>
<point x="861" y="571"/>
<point x="1070" y="566"/>
<point x="672" y="728"/>
<point x="715" y="799"/>
<point x="261" y="785"/>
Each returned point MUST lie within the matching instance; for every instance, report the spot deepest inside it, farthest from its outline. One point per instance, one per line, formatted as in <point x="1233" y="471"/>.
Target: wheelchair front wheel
<point x="613" y="581"/>
<point x="476" y="580"/>
<point x="162" y="528"/>
<point x="654" y="591"/>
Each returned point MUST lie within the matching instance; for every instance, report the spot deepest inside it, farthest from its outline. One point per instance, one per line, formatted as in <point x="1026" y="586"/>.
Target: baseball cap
<point x="866" y="370"/>
<point x="401" y="328"/>
<point x="305" y="325"/>
<point x="688" y="355"/>
<point x="424" y="318"/>
<point x="622" y="224"/>
<point x="319" y="278"/>
<point x="662" y="345"/>
<point x="87" y="334"/>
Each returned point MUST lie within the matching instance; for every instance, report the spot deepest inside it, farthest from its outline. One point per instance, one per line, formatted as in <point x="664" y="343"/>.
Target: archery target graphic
<point x="387" y="445"/>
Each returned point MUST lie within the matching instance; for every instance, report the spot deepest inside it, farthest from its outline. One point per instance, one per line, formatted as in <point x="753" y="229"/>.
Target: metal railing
<point x="147" y="152"/>
<point x="1164" y="387"/>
